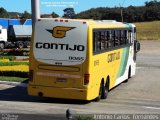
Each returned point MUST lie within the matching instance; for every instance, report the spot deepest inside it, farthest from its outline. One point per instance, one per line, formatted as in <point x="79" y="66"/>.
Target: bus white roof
<point x="95" y="22"/>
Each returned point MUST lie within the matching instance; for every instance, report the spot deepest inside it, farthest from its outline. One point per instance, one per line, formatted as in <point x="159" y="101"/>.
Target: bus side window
<point x="129" y="36"/>
<point x="0" y="31"/>
<point x="102" y="42"/>
<point x="123" y="37"/>
<point x="105" y="40"/>
<point x="108" y="38"/>
<point x="112" y="38"/>
<point x="96" y="42"/>
<point x="126" y="39"/>
<point x="117" y="37"/>
<point x="99" y="45"/>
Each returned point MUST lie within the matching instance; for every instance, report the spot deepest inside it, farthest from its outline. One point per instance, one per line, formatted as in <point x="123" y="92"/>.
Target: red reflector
<point x="86" y="79"/>
<point x="66" y="20"/>
<point x="61" y="20"/>
<point x="84" y="22"/>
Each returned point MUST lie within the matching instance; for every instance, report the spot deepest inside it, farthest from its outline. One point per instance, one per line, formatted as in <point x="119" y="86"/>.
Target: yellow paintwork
<point x="73" y="88"/>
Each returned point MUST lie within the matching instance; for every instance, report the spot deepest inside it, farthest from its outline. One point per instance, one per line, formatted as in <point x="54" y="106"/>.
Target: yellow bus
<point x="80" y="59"/>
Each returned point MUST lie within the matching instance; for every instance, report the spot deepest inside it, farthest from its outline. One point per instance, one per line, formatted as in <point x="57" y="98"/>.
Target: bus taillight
<point x="86" y="79"/>
<point x="31" y="75"/>
<point x="66" y="20"/>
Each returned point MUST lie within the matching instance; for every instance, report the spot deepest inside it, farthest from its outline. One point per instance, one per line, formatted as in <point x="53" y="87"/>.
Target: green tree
<point x="152" y="3"/>
<point x="54" y="15"/>
<point x="3" y="13"/>
<point x="69" y="13"/>
<point x="26" y="15"/>
<point x="46" y="16"/>
<point x="152" y="11"/>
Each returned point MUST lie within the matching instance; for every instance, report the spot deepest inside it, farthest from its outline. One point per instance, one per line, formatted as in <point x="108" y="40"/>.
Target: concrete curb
<point x="17" y="84"/>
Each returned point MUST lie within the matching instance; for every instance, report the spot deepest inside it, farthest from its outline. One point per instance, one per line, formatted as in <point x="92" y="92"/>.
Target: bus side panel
<point x="104" y="65"/>
<point x="124" y="66"/>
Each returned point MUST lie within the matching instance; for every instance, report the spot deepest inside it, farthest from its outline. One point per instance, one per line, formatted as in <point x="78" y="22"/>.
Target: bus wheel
<point x="129" y="72"/>
<point x="129" y="75"/>
<point x="105" y="89"/>
<point x="100" y="93"/>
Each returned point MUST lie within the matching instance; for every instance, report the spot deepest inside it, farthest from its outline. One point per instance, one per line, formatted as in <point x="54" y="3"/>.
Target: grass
<point x="13" y="79"/>
<point x="14" y="70"/>
<point x="148" y="30"/>
<point x="7" y="57"/>
<point x="13" y="63"/>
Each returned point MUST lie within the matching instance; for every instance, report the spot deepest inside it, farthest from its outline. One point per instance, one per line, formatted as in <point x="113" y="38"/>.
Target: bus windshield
<point x="61" y="42"/>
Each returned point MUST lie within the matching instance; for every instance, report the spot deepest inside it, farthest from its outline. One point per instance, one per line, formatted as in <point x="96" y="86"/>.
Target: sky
<point x="48" y="6"/>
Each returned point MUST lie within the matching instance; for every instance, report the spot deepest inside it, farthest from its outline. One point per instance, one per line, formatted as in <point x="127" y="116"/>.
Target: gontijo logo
<point x="60" y="31"/>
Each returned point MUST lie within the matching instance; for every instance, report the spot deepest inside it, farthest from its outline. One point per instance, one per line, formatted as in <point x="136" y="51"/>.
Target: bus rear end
<point x="57" y="58"/>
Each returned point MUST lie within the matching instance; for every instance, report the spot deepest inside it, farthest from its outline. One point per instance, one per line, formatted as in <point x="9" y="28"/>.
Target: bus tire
<point x="129" y="75"/>
<point x="105" y="89"/>
<point x="100" y="93"/>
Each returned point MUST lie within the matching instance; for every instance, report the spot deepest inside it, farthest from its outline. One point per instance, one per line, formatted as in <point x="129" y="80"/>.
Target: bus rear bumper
<point x="54" y="92"/>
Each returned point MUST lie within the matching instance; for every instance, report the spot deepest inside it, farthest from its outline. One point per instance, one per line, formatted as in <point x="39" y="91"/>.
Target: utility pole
<point x="35" y="11"/>
<point x="121" y="7"/>
<point x="121" y="12"/>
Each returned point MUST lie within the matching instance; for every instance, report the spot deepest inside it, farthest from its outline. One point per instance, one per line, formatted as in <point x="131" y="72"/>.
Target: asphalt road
<point x="140" y="95"/>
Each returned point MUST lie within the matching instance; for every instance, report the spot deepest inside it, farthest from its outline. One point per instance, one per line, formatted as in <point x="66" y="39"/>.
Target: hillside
<point x="148" y="30"/>
<point x="14" y="14"/>
<point x="149" y="12"/>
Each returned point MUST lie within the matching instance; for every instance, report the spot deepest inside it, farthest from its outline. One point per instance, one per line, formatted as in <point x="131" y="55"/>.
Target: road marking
<point x="139" y="68"/>
<point x="148" y="66"/>
<point x="155" y="108"/>
<point x="14" y="83"/>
